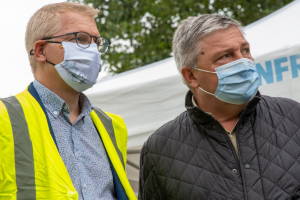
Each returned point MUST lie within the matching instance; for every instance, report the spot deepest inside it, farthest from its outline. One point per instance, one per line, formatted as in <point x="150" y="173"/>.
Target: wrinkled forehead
<point x="220" y="37"/>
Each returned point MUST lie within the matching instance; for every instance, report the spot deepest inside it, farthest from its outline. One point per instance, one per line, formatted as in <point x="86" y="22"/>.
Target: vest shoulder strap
<point x="114" y="132"/>
<point x="22" y="150"/>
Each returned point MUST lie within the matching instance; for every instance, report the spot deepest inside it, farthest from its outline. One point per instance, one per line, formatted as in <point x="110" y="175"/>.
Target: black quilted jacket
<point x="191" y="157"/>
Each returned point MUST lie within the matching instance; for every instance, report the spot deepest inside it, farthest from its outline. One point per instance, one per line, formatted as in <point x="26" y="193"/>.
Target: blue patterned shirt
<point x="80" y="146"/>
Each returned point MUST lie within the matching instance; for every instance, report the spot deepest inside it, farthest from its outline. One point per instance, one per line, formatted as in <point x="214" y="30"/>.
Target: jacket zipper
<point x="235" y="155"/>
<point x="239" y="161"/>
<point x="230" y="144"/>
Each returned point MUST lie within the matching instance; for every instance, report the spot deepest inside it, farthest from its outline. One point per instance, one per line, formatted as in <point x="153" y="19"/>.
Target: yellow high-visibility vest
<point x="30" y="165"/>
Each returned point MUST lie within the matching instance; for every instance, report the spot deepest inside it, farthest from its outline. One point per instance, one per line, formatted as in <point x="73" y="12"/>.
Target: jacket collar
<point x="202" y="118"/>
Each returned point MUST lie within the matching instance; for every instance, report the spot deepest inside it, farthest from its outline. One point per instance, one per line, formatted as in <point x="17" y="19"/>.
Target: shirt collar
<point x="54" y="104"/>
<point x="194" y="102"/>
<point x="204" y="118"/>
<point x="85" y="104"/>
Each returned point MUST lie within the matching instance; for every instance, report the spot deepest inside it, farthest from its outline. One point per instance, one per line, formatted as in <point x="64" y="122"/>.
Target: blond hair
<point x="46" y="21"/>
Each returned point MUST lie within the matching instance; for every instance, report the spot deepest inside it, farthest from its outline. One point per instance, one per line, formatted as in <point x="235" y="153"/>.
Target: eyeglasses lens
<point x="83" y="39"/>
<point x="102" y="44"/>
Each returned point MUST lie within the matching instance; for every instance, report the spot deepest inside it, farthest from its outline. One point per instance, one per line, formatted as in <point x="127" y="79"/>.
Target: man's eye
<point x="224" y="56"/>
<point x="246" y="50"/>
<point x="83" y="40"/>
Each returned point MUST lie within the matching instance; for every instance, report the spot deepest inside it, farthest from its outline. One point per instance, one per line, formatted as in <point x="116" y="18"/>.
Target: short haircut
<point x="187" y="37"/>
<point x="46" y="21"/>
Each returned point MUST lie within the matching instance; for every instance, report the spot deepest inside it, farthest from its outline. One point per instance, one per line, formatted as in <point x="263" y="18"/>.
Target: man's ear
<point x="189" y="75"/>
<point x="38" y="50"/>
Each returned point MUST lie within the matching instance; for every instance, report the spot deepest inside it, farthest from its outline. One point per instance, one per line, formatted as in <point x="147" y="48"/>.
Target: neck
<point x="72" y="100"/>
<point x="64" y="91"/>
<point x="226" y="114"/>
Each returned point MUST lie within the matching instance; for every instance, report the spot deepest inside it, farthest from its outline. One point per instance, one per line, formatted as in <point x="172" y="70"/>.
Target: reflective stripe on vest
<point x="107" y="122"/>
<point x="24" y="165"/>
<point x="112" y="135"/>
<point x="50" y="176"/>
<point x="24" y="131"/>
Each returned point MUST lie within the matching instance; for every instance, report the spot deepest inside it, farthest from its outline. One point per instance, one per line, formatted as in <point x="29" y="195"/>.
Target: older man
<point x="53" y="143"/>
<point x="232" y="142"/>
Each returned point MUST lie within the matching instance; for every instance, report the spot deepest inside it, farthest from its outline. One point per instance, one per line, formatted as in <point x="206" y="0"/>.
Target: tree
<point x="141" y="31"/>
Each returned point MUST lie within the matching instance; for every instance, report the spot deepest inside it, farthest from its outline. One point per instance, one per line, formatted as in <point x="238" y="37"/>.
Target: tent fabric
<point x="275" y="46"/>
<point x="146" y="98"/>
<point x="152" y="95"/>
<point x="277" y="31"/>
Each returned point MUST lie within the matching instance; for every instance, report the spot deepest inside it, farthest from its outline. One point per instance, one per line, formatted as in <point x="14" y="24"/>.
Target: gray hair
<point x="187" y="37"/>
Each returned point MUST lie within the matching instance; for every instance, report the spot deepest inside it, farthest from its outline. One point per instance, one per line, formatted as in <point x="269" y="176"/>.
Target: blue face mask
<point x="238" y="81"/>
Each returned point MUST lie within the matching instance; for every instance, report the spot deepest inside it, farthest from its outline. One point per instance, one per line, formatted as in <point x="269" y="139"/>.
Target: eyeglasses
<point x="84" y="39"/>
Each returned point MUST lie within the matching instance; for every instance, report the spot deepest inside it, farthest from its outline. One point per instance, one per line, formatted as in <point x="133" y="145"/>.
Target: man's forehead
<point x="74" y="18"/>
<point x="75" y="22"/>
<point x="222" y="36"/>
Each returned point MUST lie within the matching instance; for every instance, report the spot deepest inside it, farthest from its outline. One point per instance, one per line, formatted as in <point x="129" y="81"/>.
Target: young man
<point x="53" y="143"/>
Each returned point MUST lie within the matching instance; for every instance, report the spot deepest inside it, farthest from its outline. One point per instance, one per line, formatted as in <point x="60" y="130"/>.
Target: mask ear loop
<point x="205" y="71"/>
<point x="206" y="91"/>
<point x="61" y="47"/>
<point x="208" y="72"/>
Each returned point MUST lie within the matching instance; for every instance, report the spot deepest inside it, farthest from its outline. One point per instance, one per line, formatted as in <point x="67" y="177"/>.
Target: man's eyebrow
<point x="245" y="44"/>
<point x="221" y="52"/>
<point x="224" y="51"/>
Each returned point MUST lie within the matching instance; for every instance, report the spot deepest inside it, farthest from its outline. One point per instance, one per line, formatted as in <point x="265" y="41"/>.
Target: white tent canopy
<point x="146" y="98"/>
<point x="275" y="46"/>
<point x="152" y="95"/>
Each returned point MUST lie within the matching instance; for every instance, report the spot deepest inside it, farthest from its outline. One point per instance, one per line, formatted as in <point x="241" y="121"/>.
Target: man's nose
<point x="93" y="40"/>
<point x="238" y="55"/>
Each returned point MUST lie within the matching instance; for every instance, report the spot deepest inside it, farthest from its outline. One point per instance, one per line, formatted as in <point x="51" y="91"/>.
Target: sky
<point x="15" y="71"/>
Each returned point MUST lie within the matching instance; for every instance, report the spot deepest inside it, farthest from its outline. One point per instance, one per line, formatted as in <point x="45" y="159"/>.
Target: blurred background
<point x="140" y="81"/>
<point x="141" y="31"/>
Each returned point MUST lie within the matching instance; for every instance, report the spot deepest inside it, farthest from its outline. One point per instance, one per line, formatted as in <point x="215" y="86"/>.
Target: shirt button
<point x="247" y="166"/>
<point x="55" y="112"/>
<point x="234" y="170"/>
<point x="84" y="185"/>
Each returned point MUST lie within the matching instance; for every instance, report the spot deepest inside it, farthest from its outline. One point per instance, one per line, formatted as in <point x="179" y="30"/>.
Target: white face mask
<point x="80" y="67"/>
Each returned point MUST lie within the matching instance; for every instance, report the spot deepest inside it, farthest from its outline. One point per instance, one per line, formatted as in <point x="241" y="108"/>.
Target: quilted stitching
<point x="188" y="160"/>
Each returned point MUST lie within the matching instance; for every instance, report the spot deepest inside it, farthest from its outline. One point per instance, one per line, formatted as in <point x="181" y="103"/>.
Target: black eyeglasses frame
<point x="76" y="33"/>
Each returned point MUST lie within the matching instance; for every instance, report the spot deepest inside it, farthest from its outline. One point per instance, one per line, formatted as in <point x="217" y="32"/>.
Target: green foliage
<point x="146" y="27"/>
